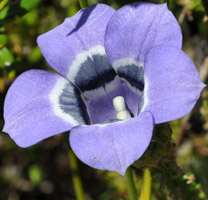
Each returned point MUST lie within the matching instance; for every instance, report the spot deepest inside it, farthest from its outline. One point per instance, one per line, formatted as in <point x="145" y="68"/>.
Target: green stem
<point x="75" y="176"/>
<point x="146" y="185"/>
<point x="83" y="3"/>
<point x="130" y="184"/>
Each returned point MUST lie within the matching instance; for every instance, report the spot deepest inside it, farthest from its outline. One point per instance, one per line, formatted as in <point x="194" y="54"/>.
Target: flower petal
<point x="137" y="27"/>
<point x="113" y="146"/>
<point x="78" y="41"/>
<point x="172" y="84"/>
<point x="35" y="107"/>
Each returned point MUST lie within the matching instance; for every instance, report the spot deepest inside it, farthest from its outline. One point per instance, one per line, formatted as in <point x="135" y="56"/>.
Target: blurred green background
<point x="42" y="171"/>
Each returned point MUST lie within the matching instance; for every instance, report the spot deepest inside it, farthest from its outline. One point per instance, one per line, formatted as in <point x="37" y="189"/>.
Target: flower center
<point x="94" y="83"/>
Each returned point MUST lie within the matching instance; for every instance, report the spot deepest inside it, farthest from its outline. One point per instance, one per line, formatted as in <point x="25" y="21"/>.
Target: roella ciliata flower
<point x="100" y="54"/>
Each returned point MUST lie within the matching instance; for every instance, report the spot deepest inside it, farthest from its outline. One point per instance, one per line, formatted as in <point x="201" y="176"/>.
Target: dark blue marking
<point x="94" y="72"/>
<point x="133" y="74"/>
<point x="70" y="102"/>
<point x="128" y="109"/>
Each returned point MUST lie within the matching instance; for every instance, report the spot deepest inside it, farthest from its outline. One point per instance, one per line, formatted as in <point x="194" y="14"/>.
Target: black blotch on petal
<point x="96" y="71"/>
<point x="133" y="74"/>
<point x="71" y="102"/>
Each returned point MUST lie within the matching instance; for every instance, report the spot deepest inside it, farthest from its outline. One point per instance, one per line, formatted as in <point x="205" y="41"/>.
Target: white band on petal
<point x="81" y="58"/>
<point x="145" y="98"/>
<point x="54" y="98"/>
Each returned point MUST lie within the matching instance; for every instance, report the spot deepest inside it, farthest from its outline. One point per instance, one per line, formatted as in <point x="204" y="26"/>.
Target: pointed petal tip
<point x="122" y="171"/>
<point x="202" y="85"/>
<point x="4" y="129"/>
<point x="7" y="130"/>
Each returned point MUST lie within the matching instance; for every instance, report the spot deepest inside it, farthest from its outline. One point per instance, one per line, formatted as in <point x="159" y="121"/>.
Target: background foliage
<point x="42" y="171"/>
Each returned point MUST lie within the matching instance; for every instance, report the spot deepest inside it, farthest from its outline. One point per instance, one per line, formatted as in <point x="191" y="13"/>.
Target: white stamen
<point x="119" y="105"/>
<point x="122" y="115"/>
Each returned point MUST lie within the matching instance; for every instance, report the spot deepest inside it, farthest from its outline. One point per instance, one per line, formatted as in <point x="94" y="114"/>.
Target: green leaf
<point x="6" y="57"/>
<point x="3" y="40"/>
<point x="196" y="5"/>
<point x="29" y="5"/>
<point x="15" y="10"/>
<point x="3" y="3"/>
<point x="35" y="55"/>
<point x="35" y="175"/>
<point x="31" y="19"/>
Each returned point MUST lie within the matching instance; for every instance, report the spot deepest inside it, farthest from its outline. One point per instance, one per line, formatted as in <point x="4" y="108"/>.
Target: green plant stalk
<point x="83" y="3"/>
<point x="130" y="184"/>
<point x="75" y="176"/>
<point x="146" y="185"/>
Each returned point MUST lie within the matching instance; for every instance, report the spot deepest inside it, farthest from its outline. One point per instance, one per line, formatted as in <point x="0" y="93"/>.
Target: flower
<point x="101" y="53"/>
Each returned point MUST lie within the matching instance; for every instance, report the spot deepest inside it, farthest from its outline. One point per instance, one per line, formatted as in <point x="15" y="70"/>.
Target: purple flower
<point x="101" y="53"/>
